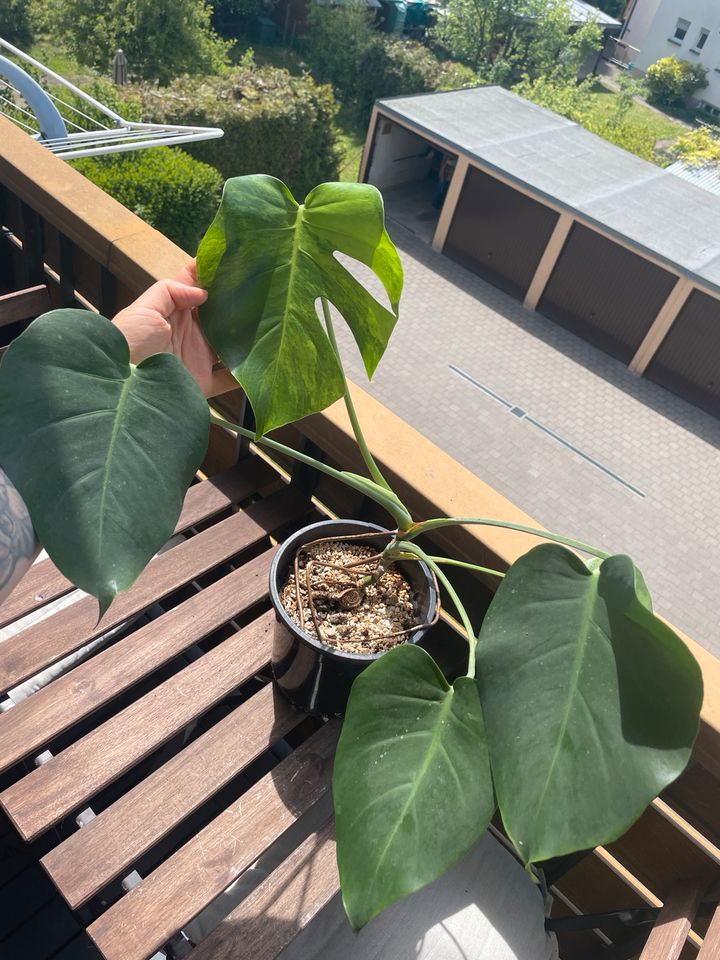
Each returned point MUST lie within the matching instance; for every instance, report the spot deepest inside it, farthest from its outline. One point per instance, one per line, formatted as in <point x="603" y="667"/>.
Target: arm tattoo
<point x="18" y="544"/>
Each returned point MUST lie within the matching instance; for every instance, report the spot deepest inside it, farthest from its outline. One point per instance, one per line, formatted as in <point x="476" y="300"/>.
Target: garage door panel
<point x="688" y="361"/>
<point x="498" y="232"/>
<point x="605" y="293"/>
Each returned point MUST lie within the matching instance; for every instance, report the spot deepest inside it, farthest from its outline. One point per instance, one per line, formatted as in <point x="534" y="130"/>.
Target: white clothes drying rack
<point x="74" y="133"/>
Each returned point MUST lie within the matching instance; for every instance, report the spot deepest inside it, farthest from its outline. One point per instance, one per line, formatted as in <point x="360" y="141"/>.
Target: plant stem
<point x="426" y="525"/>
<point x="385" y="498"/>
<point x="372" y="467"/>
<point x="414" y="550"/>
<point x="467" y="566"/>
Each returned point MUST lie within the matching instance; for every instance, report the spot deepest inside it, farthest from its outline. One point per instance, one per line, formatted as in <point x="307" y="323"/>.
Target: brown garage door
<point x="688" y="361"/>
<point x="499" y="232"/>
<point x="605" y="293"/>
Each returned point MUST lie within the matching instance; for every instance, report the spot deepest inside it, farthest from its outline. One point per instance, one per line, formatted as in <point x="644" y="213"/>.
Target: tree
<point x="506" y="39"/>
<point x="161" y="38"/>
<point x="232" y="16"/>
<point x="670" y="81"/>
<point x="698" y="148"/>
<point x="15" y="22"/>
<point x="578" y="102"/>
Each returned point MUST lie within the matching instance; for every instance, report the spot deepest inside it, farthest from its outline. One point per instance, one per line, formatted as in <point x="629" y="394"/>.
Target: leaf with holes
<point x="101" y="451"/>
<point x="591" y="702"/>
<point x="411" y="784"/>
<point x="265" y="261"/>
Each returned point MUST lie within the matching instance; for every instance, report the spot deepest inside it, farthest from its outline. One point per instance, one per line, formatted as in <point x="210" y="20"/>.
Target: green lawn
<point x="351" y="139"/>
<point x="270" y="55"/>
<point x="657" y="125"/>
<point x="52" y="55"/>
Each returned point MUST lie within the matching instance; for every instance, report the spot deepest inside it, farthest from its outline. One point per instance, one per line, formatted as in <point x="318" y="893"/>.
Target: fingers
<point x="167" y="296"/>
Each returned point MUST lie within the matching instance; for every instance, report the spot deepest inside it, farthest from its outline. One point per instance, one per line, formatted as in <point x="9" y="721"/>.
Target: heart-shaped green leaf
<point x="101" y="451"/>
<point x="591" y="702"/>
<point x="411" y="786"/>
<point x="265" y="260"/>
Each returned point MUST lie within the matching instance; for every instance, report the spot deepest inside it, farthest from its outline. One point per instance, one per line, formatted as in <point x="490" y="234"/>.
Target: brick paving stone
<point x="651" y="438"/>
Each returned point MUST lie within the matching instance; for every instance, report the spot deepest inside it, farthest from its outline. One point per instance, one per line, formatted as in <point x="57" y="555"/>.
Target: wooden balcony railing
<point x="61" y="232"/>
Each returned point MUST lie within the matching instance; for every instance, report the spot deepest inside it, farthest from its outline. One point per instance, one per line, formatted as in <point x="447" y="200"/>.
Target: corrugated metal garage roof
<point x="557" y="159"/>
<point x="706" y="176"/>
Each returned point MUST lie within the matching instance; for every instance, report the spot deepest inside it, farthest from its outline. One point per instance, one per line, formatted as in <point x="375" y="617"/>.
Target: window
<point x="704" y="34"/>
<point x="681" y="29"/>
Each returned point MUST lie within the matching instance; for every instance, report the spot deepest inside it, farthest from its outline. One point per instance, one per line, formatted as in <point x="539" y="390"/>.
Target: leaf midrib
<point x="120" y="409"/>
<point x="292" y="262"/>
<point x="577" y="664"/>
<point x="432" y="749"/>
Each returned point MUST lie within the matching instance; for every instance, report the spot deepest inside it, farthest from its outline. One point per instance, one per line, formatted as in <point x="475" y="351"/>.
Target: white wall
<point x="658" y="40"/>
<point x="397" y="156"/>
<point x="639" y="21"/>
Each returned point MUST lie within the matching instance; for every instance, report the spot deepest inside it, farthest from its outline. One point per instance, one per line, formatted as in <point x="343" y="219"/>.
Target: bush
<point x="160" y="38"/>
<point x="364" y="65"/>
<point x="168" y="189"/>
<point x="671" y="81"/>
<point x="274" y="123"/>
<point x="15" y="24"/>
<point x="697" y="148"/>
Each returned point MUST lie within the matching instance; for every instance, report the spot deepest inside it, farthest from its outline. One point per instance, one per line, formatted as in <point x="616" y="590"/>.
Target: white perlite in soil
<point x="385" y="607"/>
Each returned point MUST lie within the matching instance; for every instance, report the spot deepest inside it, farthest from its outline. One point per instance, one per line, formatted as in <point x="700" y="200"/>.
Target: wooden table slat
<point x="60" y="786"/>
<point x="710" y="950"/>
<point x="34" y="722"/>
<point x="91" y="858"/>
<point x="281" y="907"/>
<point x="667" y="937"/>
<point x="657" y="851"/>
<point x="183" y="885"/>
<point x="47" y="642"/>
<point x="44" y="582"/>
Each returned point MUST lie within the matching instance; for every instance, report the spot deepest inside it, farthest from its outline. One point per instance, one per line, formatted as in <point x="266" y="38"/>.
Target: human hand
<point x="164" y="320"/>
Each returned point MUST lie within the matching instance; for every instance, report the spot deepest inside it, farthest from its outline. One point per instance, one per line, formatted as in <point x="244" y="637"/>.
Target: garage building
<point x="610" y="246"/>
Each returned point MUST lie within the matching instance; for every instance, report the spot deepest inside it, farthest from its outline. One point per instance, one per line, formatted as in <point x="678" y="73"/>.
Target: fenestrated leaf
<point x="591" y="702"/>
<point x="411" y="786"/>
<point x="265" y="260"/>
<point x="101" y="451"/>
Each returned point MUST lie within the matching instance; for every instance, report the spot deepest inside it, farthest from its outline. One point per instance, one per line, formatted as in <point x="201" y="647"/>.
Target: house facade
<point x="687" y="29"/>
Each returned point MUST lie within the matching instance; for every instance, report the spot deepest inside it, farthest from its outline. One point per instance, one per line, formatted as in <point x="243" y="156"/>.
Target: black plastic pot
<point x="317" y="678"/>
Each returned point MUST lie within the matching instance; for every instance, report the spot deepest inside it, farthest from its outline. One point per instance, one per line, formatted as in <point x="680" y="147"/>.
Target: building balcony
<point x="66" y="243"/>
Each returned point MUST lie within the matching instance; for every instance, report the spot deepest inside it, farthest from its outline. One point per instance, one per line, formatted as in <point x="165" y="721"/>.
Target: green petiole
<point x="427" y="525"/>
<point x="385" y="498"/>
<point x="467" y="566"/>
<point x="413" y="549"/>
<point x="372" y="467"/>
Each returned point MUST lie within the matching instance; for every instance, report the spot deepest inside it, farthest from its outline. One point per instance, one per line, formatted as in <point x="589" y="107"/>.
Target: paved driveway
<point x="560" y="428"/>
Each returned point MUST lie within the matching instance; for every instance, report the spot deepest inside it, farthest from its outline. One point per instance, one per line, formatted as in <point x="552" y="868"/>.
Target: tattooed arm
<point x="18" y="544"/>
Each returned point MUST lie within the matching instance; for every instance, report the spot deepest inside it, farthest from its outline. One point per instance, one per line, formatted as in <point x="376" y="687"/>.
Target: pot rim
<point x="290" y="623"/>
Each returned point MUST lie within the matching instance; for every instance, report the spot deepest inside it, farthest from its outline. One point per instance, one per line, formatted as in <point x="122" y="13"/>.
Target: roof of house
<point x="706" y="176"/>
<point x="582" y="11"/>
<point x="636" y="201"/>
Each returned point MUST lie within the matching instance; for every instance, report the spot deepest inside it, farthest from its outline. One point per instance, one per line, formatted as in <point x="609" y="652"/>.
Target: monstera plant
<point x="578" y="705"/>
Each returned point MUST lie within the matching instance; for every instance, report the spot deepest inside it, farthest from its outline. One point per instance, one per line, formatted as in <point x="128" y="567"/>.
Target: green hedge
<point x="170" y="190"/>
<point x="274" y="123"/>
<point x="363" y="65"/>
